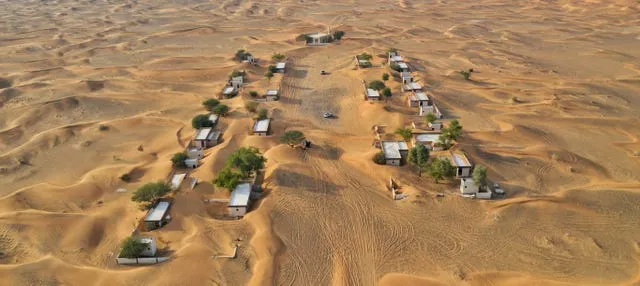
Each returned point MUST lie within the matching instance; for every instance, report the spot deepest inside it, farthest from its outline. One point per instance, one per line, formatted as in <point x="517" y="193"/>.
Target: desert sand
<point x="551" y="110"/>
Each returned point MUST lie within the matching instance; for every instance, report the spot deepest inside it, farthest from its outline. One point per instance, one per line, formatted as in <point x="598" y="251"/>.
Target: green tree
<point x="221" y="110"/>
<point x="245" y="160"/>
<point x="178" y="160"/>
<point x="236" y="73"/>
<point x="251" y="106"/>
<point x="386" y="92"/>
<point x="227" y="178"/>
<point x="454" y="130"/>
<point x="385" y="76"/>
<point x="379" y="158"/>
<point x="377" y="85"/>
<point x="365" y="56"/>
<point x="480" y="176"/>
<point x="277" y="57"/>
<point x="430" y="117"/>
<point x="395" y="67"/>
<point x="263" y="113"/>
<point x="210" y="103"/>
<point x="441" y="168"/>
<point x="419" y="157"/>
<point x="444" y="141"/>
<point x="253" y="93"/>
<point x="273" y="69"/>
<point x="149" y="193"/>
<point x="466" y="75"/>
<point x="268" y="75"/>
<point x="241" y="55"/>
<point x="338" y="35"/>
<point x="292" y="137"/>
<point x="405" y="133"/>
<point x="131" y="247"/>
<point x="201" y="120"/>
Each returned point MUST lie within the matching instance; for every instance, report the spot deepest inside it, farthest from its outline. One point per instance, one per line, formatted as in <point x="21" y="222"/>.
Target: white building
<point x="425" y="109"/>
<point x="195" y="153"/>
<point x="281" y="67"/>
<point x="317" y="39"/>
<point x="394" y="57"/>
<point x="206" y="137"/>
<point x="150" y="246"/>
<point x="469" y="188"/>
<point x="418" y="99"/>
<point x="412" y="86"/>
<point x="158" y="215"/>
<point x="213" y="118"/>
<point x="230" y="91"/>
<point x="404" y="67"/>
<point x="462" y="164"/>
<point x="436" y="125"/>
<point x="272" y="92"/>
<point x="237" y="81"/>
<point x="394" y="152"/>
<point x="191" y="163"/>
<point x="261" y="127"/>
<point x="240" y="200"/>
<point x="372" y="94"/>
<point x="406" y="77"/>
<point x="428" y="139"/>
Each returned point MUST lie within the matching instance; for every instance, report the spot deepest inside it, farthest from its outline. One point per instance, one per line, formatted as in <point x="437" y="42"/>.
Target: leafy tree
<point x="201" y="120"/>
<point x="480" y="176"/>
<point x="221" y="110"/>
<point x="395" y="67"/>
<point x="227" y="178"/>
<point x="178" y="160"/>
<point x="263" y="113"/>
<point x="386" y="92"/>
<point x="241" y="55"/>
<point x="430" y="117"/>
<point x="150" y="192"/>
<point x="453" y="131"/>
<point x="466" y="75"/>
<point x="379" y="158"/>
<point x="377" y="85"/>
<point x="441" y="168"/>
<point x="338" y="35"/>
<point x="131" y="247"/>
<point x="246" y="159"/>
<point x="210" y="103"/>
<point x="385" y="76"/>
<point x="365" y="56"/>
<point x="277" y="57"/>
<point x="419" y="157"/>
<point x="253" y="93"/>
<point x="251" y="106"/>
<point x="405" y="133"/>
<point x="444" y="141"/>
<point x="268" y="75"/>
<point x="272" y="69"/>
<point x="236" y="73"/>
<point x="392" y="50"/>
<point x="292" y="137"/>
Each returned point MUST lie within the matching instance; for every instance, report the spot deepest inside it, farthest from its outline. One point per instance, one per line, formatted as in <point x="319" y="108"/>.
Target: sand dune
<point x="90" y="91"/>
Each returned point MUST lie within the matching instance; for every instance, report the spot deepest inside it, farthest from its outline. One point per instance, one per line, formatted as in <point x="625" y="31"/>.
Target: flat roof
<point x="422" y="96"/>
<point x="239" y="79"/>
<point x="414" y="86"/>
<point x="372" y="93"/>
<point x="213" y="136"/>
<point x="240" y="195"/>
<point x="261" y="125"/>
<point x="176" y="180"/>
<point x="396" y="58"/>
<point x="229" y="90"/>
<point x="406" y="75"/>
<point x="280" y="65"/>
<point x="157" y="213"/>
<point x="318" y="35"/>
<point x="459" y="159"/>
<point x="427" y="137"/>
<point x="468" y="182"/>
<point x="271" y="92"/>
<point x="392" y="149"/>
<point x="203" y="133"/>
<point x="403" y="65"/>
<point x="363" y="61"/>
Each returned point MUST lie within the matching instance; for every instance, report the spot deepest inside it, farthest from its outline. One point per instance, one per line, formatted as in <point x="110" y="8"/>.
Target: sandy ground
<point x="566" y="150"/>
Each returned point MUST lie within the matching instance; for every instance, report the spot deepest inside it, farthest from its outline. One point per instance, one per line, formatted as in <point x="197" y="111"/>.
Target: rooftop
<point x="213" y="136"/>
<point x="176" y="180"/>
<point x="413" y="86"/>
<point x="318" y="35"/>
<point x="372" y="93"/>
<point x="406" y="75"/>
<point x="426" y="137"/>
<point x="468" y="183"/>
<point x="403" y="65"/>
<point x="280" y="65"/>
<point x="239" y="79"/>
<point x="392" y="149"/>
<point x="422" y="96"/>
<point x="158" y="212"/>
<point x="240" y="195"/>
<point x="271" y="92"/>
<point x="396" y="58"/>
<point x="459" y="159"/>
<point x="203" y="133"/>
<point x="229" y="90"/>
<point x="261" y="125"/>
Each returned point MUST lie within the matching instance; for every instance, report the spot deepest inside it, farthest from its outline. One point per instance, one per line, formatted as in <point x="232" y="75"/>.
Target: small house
<point x="206" y="137"/>
<point x="436" y="125"/>
<point x="462" y="164"/>
<point x="261" y="127"/>
<point x="425" y="109"/>
<point x="412" y="86"/>
<point x="158" y="215"/>
<point x="418" y="99"/>
<point x="250" y="59"/>
<point x="191" y="163"/>
<point x="195" y="153"/>
<point x="395" y="152"/>
<point x="406" y="77"/>
<point x="317" y="39"/>
<point x="280" y="67"/>
<point x="150" y="246"/>
<point x="240" y="200"/>
<point x="272" y="93"/>
<point x="372" y="94"/>
<point x="230" y="91"/>
<point x="469" y="188"/>
<point x="428" y="139"/>
<point x="404" y="67"/>
<point x="236" y="82"/>
<point x="176" y="181"/>
<point x="394" y="57"/>
<point x="362" y="63"/>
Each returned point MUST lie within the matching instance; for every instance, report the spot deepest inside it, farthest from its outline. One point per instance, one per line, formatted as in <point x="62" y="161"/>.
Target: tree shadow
<point x="290" y="179"/>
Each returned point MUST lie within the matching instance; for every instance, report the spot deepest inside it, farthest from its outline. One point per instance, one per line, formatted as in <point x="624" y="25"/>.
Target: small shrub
<point x="103" y="127"/>
<point x="385" y="76"/>
<point x="268" y="75"/>
<point x="272" y="69"/>
<point x="251" y="106"/>
<point x="221" y="110"/>
<point x="466" y="75"/>
<point x="386" y="92"/>
<point x="262" y="114"/>
<point x="253" y="93"/>
<point x="379" y="159"/>
<point x="178" y="160"/>
<point x="131" y="247"/>
<point x="338" y="35"/>
<point x="377" y="85"/>
<point x="365" y="56"/>
<point x="277" y="57"/>
<point x="125" y="177"/>
<point x="236" y="73"/>
<point x="209" y="104"/>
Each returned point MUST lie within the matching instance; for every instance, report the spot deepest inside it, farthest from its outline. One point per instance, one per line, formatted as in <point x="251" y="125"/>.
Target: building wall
<point x="200" y="144"/>
<point x="393" y="162"/>
<point x="237" y="211"/>
<point x="464" y="172"/>
<point x="260" y="133"/>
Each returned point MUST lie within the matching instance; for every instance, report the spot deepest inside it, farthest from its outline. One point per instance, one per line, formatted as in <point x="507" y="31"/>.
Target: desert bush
<point x="251" y="106"/>
<point x="466" y="75"/>
<point x="201" y="120"/>
<point x="125" y="178"/>
<point x="103" y="127"/>
<point x="131" y="247"/>
<point x="292" y="137"/>
<point x="377" y="85"/>
<point x="263" y="113"/>
<point x="379" y="159"/>
<point x="253" y="93"/>
<point x="385" y="76"/>
<point x="419" y="157"/>
<point x="338" y="35"/>
<point x="149" y="193"/>
<point x="221" y="110"/>
<point x="227" y="178"/>
<point x="178" y="160"/>
<point x="209" y="104"/>
<point x="277" y="57"/>
<point x="386" y="92"/>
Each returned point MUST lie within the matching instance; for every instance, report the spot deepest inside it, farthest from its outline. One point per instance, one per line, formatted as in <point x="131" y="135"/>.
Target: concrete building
<point x="205" y="138"/>
<point x="213" y="118"/>
<point x="372" y="94"/>
<point x="395" y="152"/>
<point x="240" y="200"/>
<point x="418" y="99"/>
<point x="425" y="109"/>
<point x="406" y="77"/>
<point x="237" y="82"/>
<point x="317" y="39"/>
<point x="394" y="57"/>
<point x="158" y="215"/>
<point x="194" y="153"/>
<point x="428" y="139"/>
<point x="281" y="67"/>
<point x="462" y="164"/>
<point x="150" y="246"/>
<point x="272" y="93"/>
<point x="404" y="67"/>
<point x="435" y="126"/>
<point x="362" y="63"/>
<point x="412" y="86"/>
<point x="191" y="163"/>
<point x="469" y="188"/>
<point x="229" y="91"/>
<point x="261" y="127"/>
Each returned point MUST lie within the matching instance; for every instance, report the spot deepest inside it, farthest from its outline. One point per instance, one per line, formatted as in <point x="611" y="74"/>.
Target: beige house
<point x="395" y="152"/>
<point x="240" y="200"/>
<point x="262" y="127"/>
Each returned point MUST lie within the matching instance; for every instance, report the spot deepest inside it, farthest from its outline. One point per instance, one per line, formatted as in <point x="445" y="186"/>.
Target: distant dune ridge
<point x="93" y="90"/>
